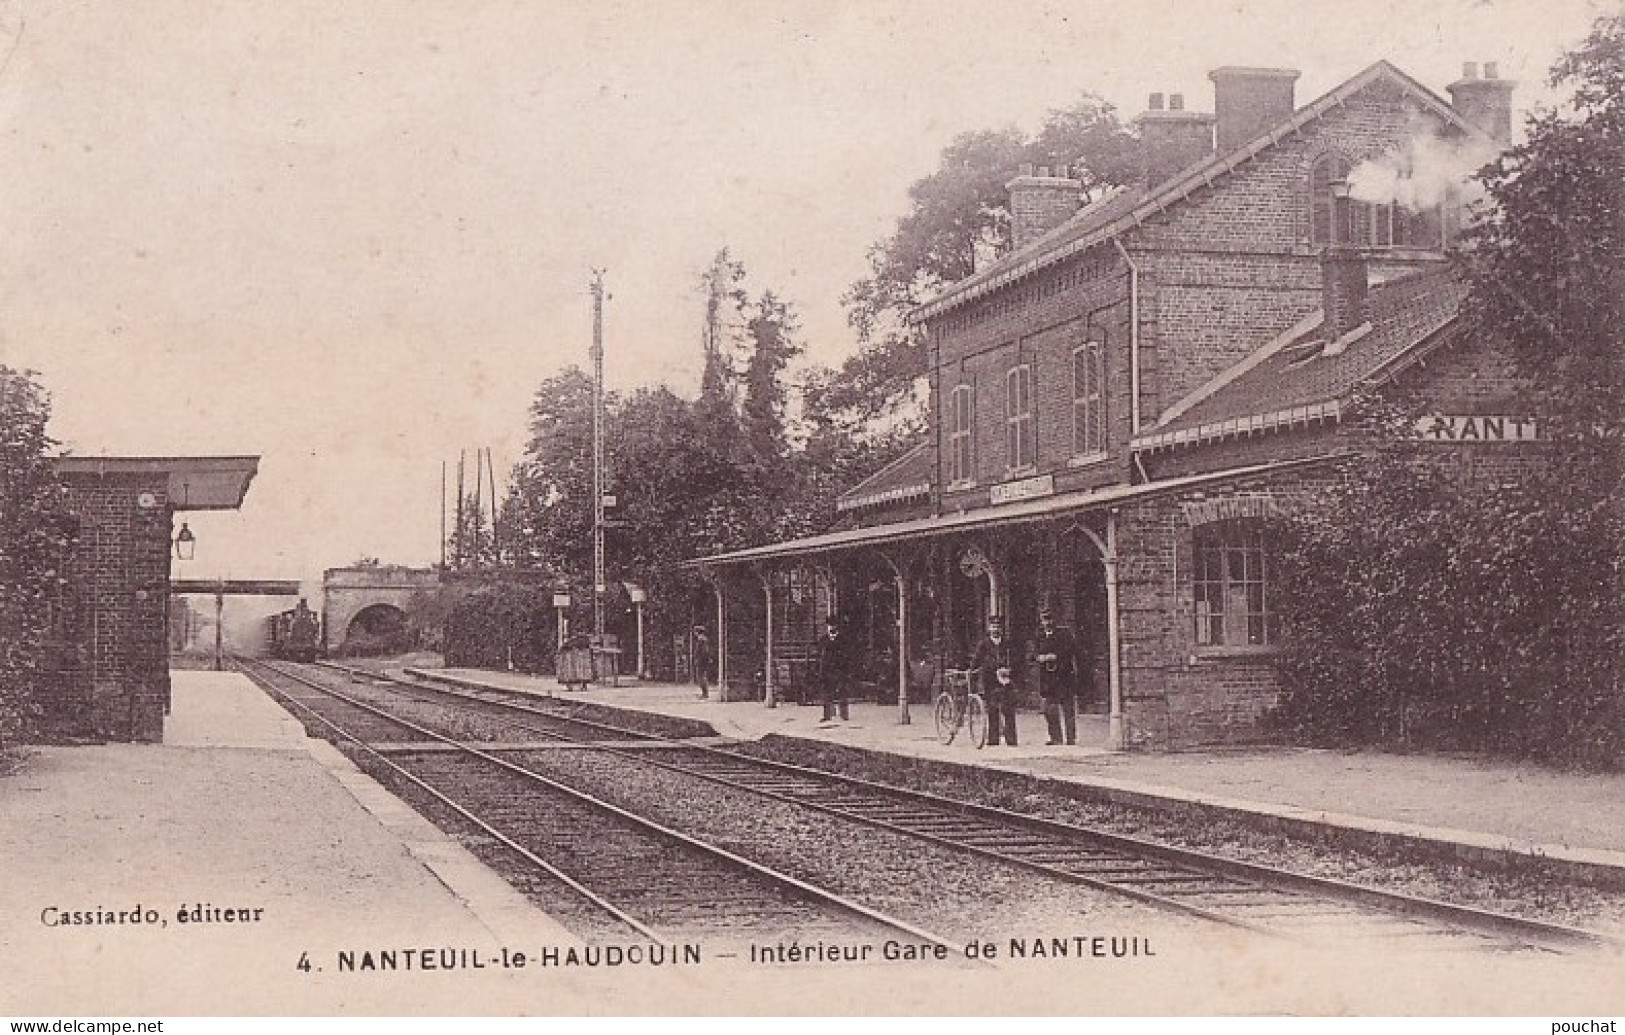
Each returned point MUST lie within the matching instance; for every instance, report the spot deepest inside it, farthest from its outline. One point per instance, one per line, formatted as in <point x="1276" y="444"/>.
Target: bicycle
<point x="960" y="706"/>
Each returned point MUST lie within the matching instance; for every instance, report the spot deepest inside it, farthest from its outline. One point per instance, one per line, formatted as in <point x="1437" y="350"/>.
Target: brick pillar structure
<point x="118" y="684"/>
<point x="1343" y="280"/>
<point x="1486" y="102"/>
<point x="1040" y="202"/>
<point x="1248" y="102"/>
<point x="1172" y="139"/>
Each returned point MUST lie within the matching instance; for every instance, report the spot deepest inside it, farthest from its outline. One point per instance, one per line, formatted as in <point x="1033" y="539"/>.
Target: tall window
<point x="1019" y="438"/>
<point x="1230" y="585"/>
<point x="1369" y="226"/>
<point x="1088" y="401"/>
<point x="961" y="414"/>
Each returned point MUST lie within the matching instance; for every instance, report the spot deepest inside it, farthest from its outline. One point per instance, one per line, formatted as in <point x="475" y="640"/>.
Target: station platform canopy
<point x="195" y="482"/>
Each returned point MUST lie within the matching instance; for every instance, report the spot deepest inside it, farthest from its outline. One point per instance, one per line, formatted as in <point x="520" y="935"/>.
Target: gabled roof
<point x="1297" y="379"/>
<point x="907" y="477"/>
<point x="1131" y="206"/>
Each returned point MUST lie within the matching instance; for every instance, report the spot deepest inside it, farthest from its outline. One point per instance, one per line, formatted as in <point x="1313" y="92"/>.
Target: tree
<point x="1548" y="259"/>
<point x="770" y="333"/>
<point x="958" y="214"/>
<point x="548" y="520"/>
<point x="722" y="284"/>
<point x="36" y="533"/>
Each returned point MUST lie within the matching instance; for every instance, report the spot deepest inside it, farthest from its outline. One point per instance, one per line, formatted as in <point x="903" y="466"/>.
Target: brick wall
<point x="1175" y="694"/>
<point x="1040" y="326"/>
<point x="1221" y="273"/>
<point x="118" y="680"/>
<point x="1233" y="266"/>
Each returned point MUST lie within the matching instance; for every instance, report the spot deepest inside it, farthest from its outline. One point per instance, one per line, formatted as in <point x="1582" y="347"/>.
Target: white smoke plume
<point x="1421" y="174"/>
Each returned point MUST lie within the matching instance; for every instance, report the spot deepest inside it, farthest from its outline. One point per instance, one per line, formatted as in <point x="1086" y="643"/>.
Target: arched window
<point x="962" y="415"/>
<point x="1088" y="400"/>
<point x="1019" y="431"/>
<point x="1370" y="226"/>
<point x="1327" y="170"/>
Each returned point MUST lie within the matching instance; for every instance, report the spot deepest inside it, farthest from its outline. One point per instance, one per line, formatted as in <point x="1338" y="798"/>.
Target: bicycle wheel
<point x="976" y="719"/>
<point x="946" y="726"/>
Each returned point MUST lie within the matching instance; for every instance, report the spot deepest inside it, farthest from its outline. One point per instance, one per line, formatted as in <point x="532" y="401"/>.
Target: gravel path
<point x="933" y="887"/>
<point x="1530" y="891"/>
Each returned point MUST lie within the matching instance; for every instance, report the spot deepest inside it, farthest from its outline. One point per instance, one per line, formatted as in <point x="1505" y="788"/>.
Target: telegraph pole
<point x="598" y="584"/>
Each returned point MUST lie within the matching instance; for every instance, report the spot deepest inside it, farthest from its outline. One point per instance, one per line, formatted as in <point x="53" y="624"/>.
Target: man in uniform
<point x="995" y="659"/>
<point x="1058" y="667"/>
<point x="835" y="664"/>
<point x="705" y="662"/>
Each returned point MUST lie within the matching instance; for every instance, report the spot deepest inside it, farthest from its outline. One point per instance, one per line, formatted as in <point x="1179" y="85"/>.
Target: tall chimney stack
<point x="1172" y="139"/>
<point x="1249" y="102"/>
<point x="1486" y="102"/>
<point x="1040" y="202"/>
<point x="1343" y="284"/>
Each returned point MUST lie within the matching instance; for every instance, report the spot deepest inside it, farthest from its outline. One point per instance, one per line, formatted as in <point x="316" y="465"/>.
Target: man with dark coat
<point x="996" y="659"/>
<point x="835" y="668"/>
<point x="1058" y="668"/>
<point x="705" y="662"/>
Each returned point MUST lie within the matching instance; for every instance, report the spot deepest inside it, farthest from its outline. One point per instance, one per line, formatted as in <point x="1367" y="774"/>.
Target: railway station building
<point x="107" y="674"/>
<point x="1121" y="405"/>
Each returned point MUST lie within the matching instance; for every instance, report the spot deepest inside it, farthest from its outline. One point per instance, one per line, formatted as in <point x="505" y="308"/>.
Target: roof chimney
<point x="1249" y="102"/>
<point x="1173" y="139"/>
<point x="1486" y="102"/>
<point x="1343" y="282"/>
<point x="1040" y="202"/>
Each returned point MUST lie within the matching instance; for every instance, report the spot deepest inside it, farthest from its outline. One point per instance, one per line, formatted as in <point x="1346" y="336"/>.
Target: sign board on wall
<point x="1025" y="489"/>
<point x="1441" y="427"/>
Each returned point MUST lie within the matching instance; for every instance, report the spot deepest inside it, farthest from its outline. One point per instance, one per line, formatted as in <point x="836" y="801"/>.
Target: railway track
<point x="628" y="873"/>
<point x="1259" y="898"/>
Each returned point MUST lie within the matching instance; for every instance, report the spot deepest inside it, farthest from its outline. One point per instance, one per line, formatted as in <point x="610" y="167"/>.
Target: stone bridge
<point x="368" y="597"/>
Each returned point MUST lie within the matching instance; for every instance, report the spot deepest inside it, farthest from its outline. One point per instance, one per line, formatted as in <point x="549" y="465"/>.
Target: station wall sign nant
<point x="1440" y="427"/>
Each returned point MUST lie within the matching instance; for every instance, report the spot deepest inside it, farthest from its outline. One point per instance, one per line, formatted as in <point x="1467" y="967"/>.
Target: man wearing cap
<point x="705" y="662"/>
<point x="1057" y="657"/>
<point x="995" y="659"/>
<point x="834" y="669"/>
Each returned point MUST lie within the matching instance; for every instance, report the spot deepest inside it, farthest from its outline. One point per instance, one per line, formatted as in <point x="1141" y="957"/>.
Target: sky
<point x="353" y="238"/>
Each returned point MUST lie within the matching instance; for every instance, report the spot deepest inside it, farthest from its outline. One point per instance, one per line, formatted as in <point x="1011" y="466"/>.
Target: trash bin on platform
<point x="575" y="667"/>
<point x="606" y="665"/>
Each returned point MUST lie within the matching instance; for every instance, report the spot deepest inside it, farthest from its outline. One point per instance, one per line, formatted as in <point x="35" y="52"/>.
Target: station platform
<point x="246" y="850"/>
<point x="1467" y="808"/>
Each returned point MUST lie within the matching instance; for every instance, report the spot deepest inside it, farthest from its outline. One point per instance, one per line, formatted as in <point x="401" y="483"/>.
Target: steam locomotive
<point x="294" y="634"/>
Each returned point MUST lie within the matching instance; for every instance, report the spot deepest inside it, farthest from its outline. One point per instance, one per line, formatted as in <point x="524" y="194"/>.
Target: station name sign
<point x="1025" y="489"/>
<point x="1447" y="428"/>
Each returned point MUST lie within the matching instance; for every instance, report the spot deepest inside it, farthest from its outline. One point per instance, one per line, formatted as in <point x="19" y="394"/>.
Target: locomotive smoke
<point x="1421" y="174"/>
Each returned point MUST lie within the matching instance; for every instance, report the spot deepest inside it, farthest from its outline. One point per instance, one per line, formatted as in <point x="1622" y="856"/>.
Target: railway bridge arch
<point x="368" y="596"/>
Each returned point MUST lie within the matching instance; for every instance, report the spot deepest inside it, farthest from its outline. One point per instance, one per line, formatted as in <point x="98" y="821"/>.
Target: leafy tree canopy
<point x="36" y="532"/>
<point x="1549" y="257"/>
